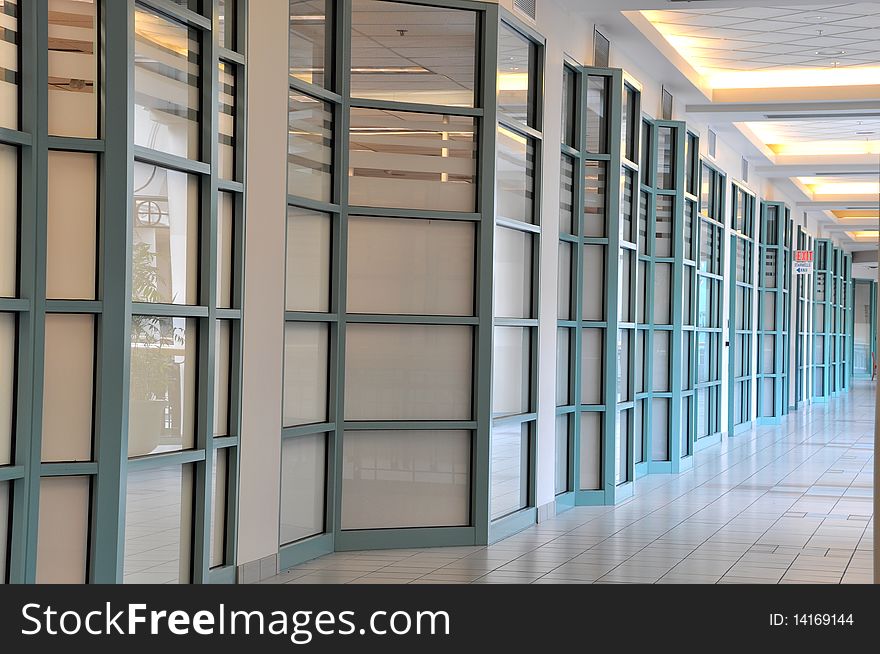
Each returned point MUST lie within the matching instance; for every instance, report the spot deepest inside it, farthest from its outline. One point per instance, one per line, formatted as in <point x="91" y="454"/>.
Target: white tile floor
<point x="783" y="504"/>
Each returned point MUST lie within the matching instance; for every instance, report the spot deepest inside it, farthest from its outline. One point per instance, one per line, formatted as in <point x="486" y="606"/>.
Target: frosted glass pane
<point x="165" y="238"/>
<point x="509" y="470"/>
<point x="639" y="435"/>
<point x="225" y="248"/>
<point x="768" y="356"/>
<point x="309" y="56"/>
<point x="420" y="267"/>
<point x="563" y="289"/>
<point x="71" y="236"/>
<point x="410" y="160"/>
<point x="661" y="360"/>
<point x="162" y="393"/>
<point x="663" y="240"/>
<point x="438" y="67"/>
<point x="166" y="83"/>
<point x="9" y="64"/>
<point x="63" y="534"/>
<point x="687" y="346"/>
<point x="7" y="385"/>
<point x="591" y="366"/>
<point x="226" y="120"/>
<point x="309" y="147"/>
<point x="640" y="361"/>
<point x="594" y="198"/>
<point x="73" y="68"/>
<point x="408" y="372"/>
<point x="687" y="317"/>
<point x="222" y="359"/>
<point x="8" y="209"/>
<point x="594" y="282"/>
<point x="566" y="195"/>
<point x="4" y="527"/>
<point x="303" y="486"/>
<point x="218" y="507"/>
<point x="623" y="368"/>
<point x="770" y="268"/>
<point x="702" y="412"/>
<point x="621" y="444"/>
<point x="641" y="292"/>
<point x="405" y="479"/>
<point x="515" y="176"/>
<point x="625" y="294"/>
<point x="686" y="422"/>
<point x="563" y="365"/>
<point x="769" y="311"/>
<point x="662" y="293"/>
<point x="768" y="397"/>
<point x="660" y="429"/>
<point x="561" y="471"/>
<point x="227" y="15"/>
<point x="308" y="260"/>
<point x="590" y="455"/>
<point x="306" y="370"/>
<point x="68" y="387"/>
<point x="513" y="273"/>
<point x="511" y="363"/>
<point x="158" y="526"/>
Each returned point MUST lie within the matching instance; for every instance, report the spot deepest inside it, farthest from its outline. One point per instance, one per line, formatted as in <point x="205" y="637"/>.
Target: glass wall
<point x="804" y="345"/>
<point x="864" y="328"/>
<point x="823" y="312"/>
<point x="742" y="305"/>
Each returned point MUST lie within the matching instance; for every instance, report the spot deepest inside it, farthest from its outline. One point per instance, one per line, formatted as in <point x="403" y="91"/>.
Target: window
<point x="73" y="48"/>
<point x="303" y="476"/>
<point x="517" y="76"/>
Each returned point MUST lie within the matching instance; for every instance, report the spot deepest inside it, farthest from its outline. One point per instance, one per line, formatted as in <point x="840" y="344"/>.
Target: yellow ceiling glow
<point x="857" y="214"/>
<point x="865" y="235"/>
<point x="819" y="186"/>
<point x="823" y="148"/>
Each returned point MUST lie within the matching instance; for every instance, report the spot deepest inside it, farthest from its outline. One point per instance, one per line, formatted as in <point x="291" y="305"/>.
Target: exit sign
<point x="803" y="262"/>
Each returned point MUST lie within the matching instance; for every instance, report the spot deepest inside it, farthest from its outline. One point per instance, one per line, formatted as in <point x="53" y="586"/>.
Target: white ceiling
<point x="799" y="131"/>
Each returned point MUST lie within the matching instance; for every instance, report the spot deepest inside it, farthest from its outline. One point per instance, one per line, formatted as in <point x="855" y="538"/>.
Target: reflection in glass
<point x="628" y="122"/>
<point x="4" y="527"/>
<point x="592" y="348"/>
<point x="71" y="230"/>
<point x="594" y="198"/>
<point x="308" y="260"/>
<point x="410" y="267"/>
<point x="63" y="531"/>
<point x="158" y="526"/>
<point x="311" y="52"/>
<point x="563" y="365"/>
<point x="226" y="121"/>
<point x="225" y="248"/>
<point x="162" y="393"/>
<point x="590" y="456"/>
<point x="566" y="196"/>
<point x="597" y="130"/>
<point x="9" y="64"/>
<point x="165" y="239"/>
<point x="509" y="469"/>
<point x="222" y="361"/>
<point x="166" y="84"/>
<point x="517" y="72"/>
<point x="593" y="292"/>
<point x="515" y="176"/>
<point x="511" y="367"/>
<point x="73" y="67"/>
<point x="564" y="282"/>
<point x="665" y="158"/>
<point x="561" y="470"/>
<point x="219" y="499"/>
<point x="411" y="160"/>
<point x="306" y="370"/>
<point x="8" y="218"/>
<point x="7" y="385"/>
<point x="413" y="53"/>
<point x="513" y="273"/>
<point x="68" y="383"/>
<point x="303" y="479"/>
<point x="227" y="16"/>
<point x="309" y="147"/>
<point x="405" y="479"/>
<point x="569" y="106"/>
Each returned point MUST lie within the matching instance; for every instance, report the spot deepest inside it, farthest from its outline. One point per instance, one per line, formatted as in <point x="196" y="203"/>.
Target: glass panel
<point x="4" y="527"/>
<point x="563" y="288"/>
<point x="639" y="435"/>
<point x="686" y="423"/>
<point x="7" y="385"/>
<point x="509" y="469"/>
<point x="303" y="486"/>
<point x="515" y="176"/>
<point x="594" y="198"/>
<point x="625" y="295"/>
<point x="566" y="196"/>
<point x="511" y="367"/>
<point x="68" y="368"/>
<point x="689" y="208"/>
<point x="311" y="52"/>
<point x="645" y="162"/>
<point x="306" y="370"/>
<point x="71" y="230"/>
<point x="569" y="106"/>
<point x="400" y="266"/>
<point x="563" y="367"/>
<point x="158" y="526"/>
<point x="8" y="204"/>
<point x="768" y="395"/>
<point x="660" y="429"/>
<point x="162" y="393"/>
<point x="513" y="273"/>
<point x="686" y="339"/>
<point x="645" y="198"/>
<point x="413" y="53"/>
<point x="222" y="360"/>
<point x="597" y="114"/>
<point x="309" y="147"/>
<point x="226" y="121"/>
<point x="768" y="358"/>
<point x="308" y="260"/>
<point x="63" y="534"/>
<point x="405" y="479"/>
<point x="662" y="293"/>
<point x="687" y="317"/>
<point x="590" y="455"/>
<point x="661" y="359"/>
<point x="642" y="292"/>
<point x="621" y="454"/>
<point x="9" y="64"/>
<point x="219" y="490"/>
<point x="627" y="206"/>
<point x="640" y="364"/>
<point x="408" y="372"/>
<point x="73" y="68"/>
<point x="225" y="249"/>
<point x="769" y="311"/>
<point x="517" y="69"/>
<point x="593" y="300"/>
<point x="703" y="355"/>
<point x="166" y="84"/>
<point x="770" y="268"/>
<point x="227" y="15"/>
<point x="623" y="367"/>
<point x="663" y="237"/>
<point x="561" y="472"/>
<point x="592" y="353"/>
<point x="414" y="161"/>
<point x="665" y="158"/>
<point x="165" y="236"/>
<point x="628" y="118"/>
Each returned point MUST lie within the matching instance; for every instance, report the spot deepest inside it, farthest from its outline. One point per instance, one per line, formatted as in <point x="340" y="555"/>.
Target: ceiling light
<point x="864" y="235"/>
<point x="865" y="132"/>
<point x="830" y="53"/>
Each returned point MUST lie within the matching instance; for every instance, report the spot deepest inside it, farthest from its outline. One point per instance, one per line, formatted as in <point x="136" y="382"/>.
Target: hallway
<point x="780" y="504"/>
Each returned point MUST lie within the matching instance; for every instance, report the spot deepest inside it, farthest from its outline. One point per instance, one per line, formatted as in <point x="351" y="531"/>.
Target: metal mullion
<point x="307" y="430"/>
<point x="312" y="205"/>
<point x="166" y="460"/>
<point x="74" y="144"/>
<point x="231" y="56"/>
<point x="228" y="314"/>
<point x="425" y="214"/>
<point x="415" y="107"/>
<point x="179" y="12"/>
<point x="229" y="186"/>
<point x="68" y="469"/>
<point x="409" y="425"/>
<point x="306" y="88"/>
<point x="515" y="125"/>
<point x="13" y="136"/>
<point x="74" y="306"/>
<point x="518" y="225"/>
<point x="171" y="161"/>
<point x="383" y="319"/>
<point x="169" y="310"/>
<point x="11" y="473"/>
<point x="15" y="305"/>
<point x="302" y="316"/>
<point x="226" y="442"/>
